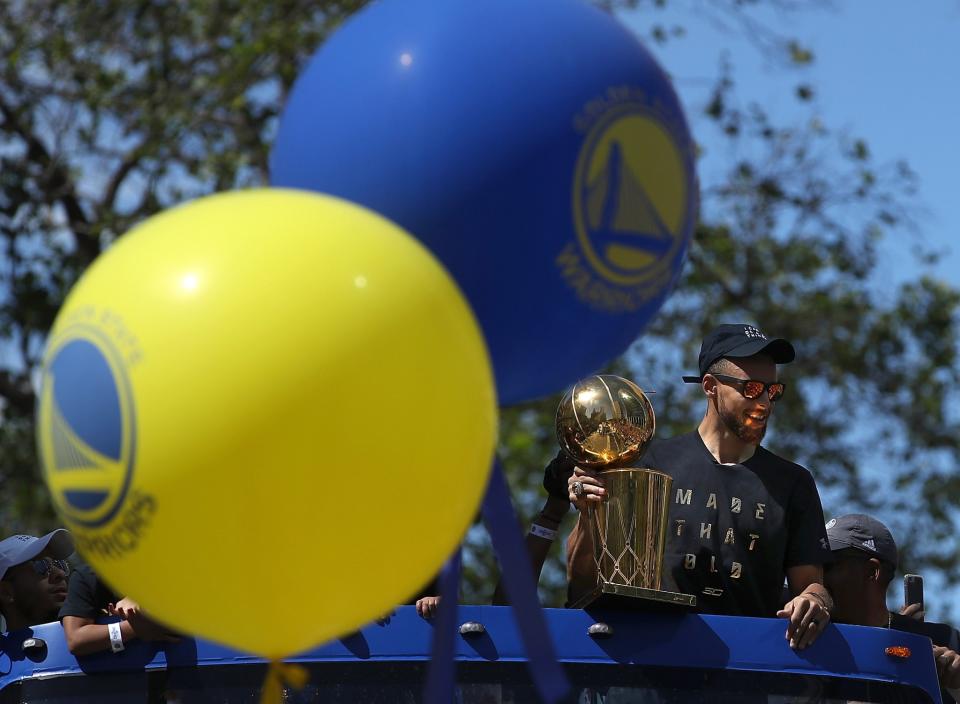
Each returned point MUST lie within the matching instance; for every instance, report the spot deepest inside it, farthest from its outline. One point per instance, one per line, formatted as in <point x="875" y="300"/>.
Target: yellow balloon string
<point x="281" y="674"/>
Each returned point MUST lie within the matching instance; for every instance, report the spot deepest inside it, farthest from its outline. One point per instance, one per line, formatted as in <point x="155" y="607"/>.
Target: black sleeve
<point x="556" y="474"/>
<point x="954" y="640"/>
<point x="649" y="458"/>
<point x="807" y="542"/>
<point x="84" y="594"/>
<point x="941" y="634"/>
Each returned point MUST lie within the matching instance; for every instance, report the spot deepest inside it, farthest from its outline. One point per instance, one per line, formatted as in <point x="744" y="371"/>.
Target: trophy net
<point x="630" y="528"/>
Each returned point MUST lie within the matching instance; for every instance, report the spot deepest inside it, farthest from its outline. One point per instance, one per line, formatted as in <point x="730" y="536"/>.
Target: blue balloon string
<point x="440" y="684"/>
<point x="498" y="514"/>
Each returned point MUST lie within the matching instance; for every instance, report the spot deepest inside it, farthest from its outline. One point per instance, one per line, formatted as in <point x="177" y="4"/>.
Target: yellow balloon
<point x="268" y="416"/>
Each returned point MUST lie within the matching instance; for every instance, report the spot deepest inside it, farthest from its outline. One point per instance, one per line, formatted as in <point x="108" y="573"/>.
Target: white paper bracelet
<point x="541" y="532"/>
<point x="116" y="638"/>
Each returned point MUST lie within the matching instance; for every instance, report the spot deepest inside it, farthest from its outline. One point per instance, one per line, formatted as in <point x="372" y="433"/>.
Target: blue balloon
<point x="534" y="146"/>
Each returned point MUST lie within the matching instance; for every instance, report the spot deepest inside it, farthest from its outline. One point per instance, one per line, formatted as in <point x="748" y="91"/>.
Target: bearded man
<point x="742" y="519"/>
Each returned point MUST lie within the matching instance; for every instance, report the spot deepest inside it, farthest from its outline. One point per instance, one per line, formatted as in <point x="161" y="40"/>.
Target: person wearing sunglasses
<point x="33" y="578"/>
<point x="864" y="562"/>
<point x="742" y="519"/>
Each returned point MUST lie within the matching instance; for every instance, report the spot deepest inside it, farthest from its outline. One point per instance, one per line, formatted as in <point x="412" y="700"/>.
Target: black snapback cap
<point x="864" y="533"/>
<point x="739" y="340"/>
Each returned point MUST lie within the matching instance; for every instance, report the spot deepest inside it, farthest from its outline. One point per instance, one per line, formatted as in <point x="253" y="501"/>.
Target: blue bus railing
<point x="633" y="650"/>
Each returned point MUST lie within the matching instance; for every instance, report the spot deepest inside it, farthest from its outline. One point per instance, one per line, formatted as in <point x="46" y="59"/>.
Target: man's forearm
<point x="88" y="637"/>
<point x="539" y="540"/>
<point x="820" y="593"/>
<point x="581" y="566"/>
<point x="807" y="580"/>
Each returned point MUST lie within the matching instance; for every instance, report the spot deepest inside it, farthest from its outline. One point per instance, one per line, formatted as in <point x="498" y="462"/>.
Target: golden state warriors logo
<point x="87" y="426"/>
<point x="632" y="210"/>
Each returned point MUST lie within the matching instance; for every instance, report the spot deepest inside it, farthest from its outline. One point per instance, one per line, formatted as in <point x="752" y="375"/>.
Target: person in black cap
<point x="742" y="519"/>
<point x="864" y="562"/>
<point x="33" y="578"/>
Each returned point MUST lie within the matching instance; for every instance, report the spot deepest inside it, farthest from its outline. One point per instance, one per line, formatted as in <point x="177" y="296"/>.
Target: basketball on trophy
<point x="604" y="421"/>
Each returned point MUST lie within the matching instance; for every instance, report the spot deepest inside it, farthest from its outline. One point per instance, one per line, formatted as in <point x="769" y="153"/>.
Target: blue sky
<point x="884" y="70"/>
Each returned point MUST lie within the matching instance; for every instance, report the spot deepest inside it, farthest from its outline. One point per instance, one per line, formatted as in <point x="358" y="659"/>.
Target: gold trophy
<point x="604" y="423"/>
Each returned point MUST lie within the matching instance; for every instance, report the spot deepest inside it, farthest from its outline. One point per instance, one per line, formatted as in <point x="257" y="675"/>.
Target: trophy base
<point x="608" y="595"/>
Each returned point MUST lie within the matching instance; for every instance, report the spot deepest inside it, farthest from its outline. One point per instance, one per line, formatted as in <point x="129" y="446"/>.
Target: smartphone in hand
<point x="913" y="590"/>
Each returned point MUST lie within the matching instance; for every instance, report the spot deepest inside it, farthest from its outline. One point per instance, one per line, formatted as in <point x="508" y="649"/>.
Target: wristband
<point x="820" y="598"/>
<point x="116" y="637"/>
<point x="541" y="532"/>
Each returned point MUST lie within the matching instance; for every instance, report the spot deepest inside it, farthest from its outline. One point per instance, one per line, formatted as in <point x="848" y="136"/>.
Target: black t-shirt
<point x="938" y="633"/>
<point x="87" y="595"/>
<point x="735" y="528"/>
<point x="556" y="474"/>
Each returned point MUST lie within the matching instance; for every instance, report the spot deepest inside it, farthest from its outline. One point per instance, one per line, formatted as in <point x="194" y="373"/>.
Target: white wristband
<point x="116" y="637"/>
<point x="541" y="532"/>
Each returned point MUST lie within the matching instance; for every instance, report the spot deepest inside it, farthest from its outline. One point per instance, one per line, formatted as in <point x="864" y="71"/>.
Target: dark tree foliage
<point x="113" y="110"/>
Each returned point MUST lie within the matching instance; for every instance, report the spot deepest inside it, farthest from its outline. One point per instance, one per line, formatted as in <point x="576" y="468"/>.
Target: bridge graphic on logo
<point x="86" y="430"/>
<point x="624" y="225"/>
<point x="85" y="490"/>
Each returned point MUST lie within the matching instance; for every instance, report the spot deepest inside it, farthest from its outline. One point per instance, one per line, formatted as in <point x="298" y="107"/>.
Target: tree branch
<point x="17" y="392"/>
<point x="129" y="163"/>
<point x="58" y="181"/>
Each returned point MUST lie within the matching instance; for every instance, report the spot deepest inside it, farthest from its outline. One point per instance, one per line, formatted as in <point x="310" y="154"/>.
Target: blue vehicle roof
<point x="638" y="639"/>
